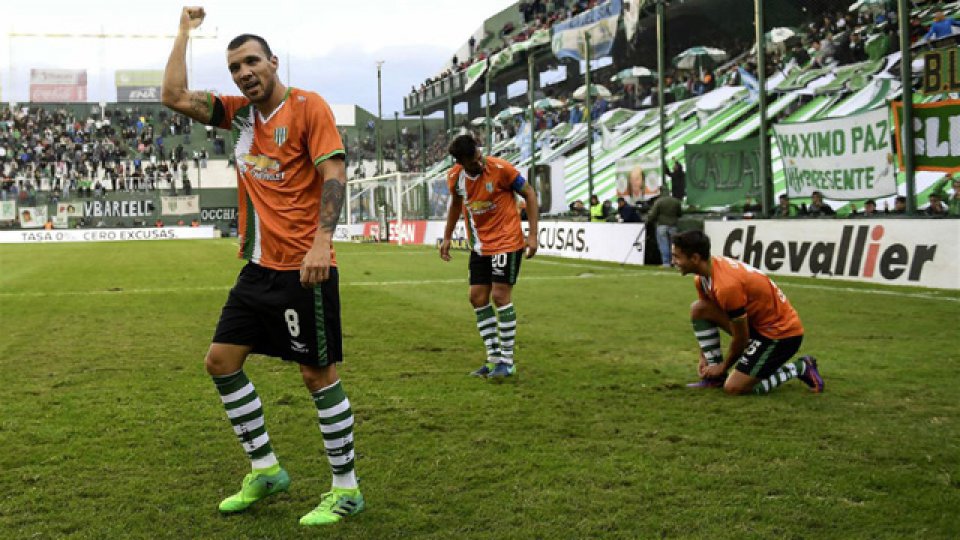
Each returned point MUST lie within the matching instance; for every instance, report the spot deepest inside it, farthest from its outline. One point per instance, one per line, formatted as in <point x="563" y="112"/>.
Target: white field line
<point x="419" y="282"/>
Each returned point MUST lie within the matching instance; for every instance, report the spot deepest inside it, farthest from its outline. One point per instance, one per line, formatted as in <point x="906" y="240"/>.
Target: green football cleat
<point x="335" y="505"/>
<point x="256" y="485"/>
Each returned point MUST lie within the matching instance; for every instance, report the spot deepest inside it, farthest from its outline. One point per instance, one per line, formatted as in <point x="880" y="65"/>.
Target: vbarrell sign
<point x="901" y="252"/>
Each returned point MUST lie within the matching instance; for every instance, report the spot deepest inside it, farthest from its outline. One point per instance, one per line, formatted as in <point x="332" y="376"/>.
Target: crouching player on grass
<point x="742" y="301"/>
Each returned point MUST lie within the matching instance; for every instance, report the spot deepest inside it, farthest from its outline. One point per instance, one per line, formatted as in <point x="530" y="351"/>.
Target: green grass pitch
<point x="110" y="427"/>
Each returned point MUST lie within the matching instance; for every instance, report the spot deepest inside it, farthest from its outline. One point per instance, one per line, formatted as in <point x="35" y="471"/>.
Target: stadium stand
<point x="838" y="63"/>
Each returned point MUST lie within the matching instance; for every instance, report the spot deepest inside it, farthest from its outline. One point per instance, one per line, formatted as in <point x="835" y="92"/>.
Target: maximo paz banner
<point x="844" y="158"/>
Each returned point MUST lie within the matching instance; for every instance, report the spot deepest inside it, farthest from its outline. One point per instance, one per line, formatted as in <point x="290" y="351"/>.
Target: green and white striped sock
<point x="245" y="412"/>
<point x="708" y="337"/>
<point x="507" y="326"/>
<point x="336" y="425"/>
<point x="487" y="326"/>
<point x="780" y="376"/>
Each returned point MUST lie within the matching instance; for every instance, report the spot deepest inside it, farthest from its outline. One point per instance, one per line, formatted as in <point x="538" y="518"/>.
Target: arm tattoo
<point x="331" y="203"/>
<point x="199" y="105"/>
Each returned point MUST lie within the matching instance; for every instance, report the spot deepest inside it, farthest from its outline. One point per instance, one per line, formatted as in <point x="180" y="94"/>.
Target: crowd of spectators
<point x="59" y="152"/>
<point x="536" y="15"/>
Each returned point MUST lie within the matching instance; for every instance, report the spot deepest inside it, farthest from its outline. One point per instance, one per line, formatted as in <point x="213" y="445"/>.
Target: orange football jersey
<point x="740" y="288"/>
<point x="278" y="183"/>
<point x="490" y="206"/>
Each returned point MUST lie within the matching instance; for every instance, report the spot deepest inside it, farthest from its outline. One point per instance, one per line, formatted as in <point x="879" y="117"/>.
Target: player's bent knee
<point x="733" y="389"/>
<point x="224" y="360"/>
<point x="700" y="309"/>
<point x="501" y="298"/>
<point x="316" y="378"/>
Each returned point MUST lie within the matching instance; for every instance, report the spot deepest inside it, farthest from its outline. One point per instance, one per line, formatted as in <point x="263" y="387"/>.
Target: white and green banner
<point x="843" y="158"/>
<point x="8" y="210"/>
<point x="600" y="22"/>
<point x="638" y="178"/>
<point x="501" y="61"/>
<point x="180" y="206"/>
<point x="508" y="56"/>
<point x="32" y="217"/>
<point x="474" y="73"/>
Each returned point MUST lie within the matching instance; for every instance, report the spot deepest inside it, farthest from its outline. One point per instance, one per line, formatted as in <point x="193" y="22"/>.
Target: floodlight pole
<point x="486" y="97"/>
<point x="450" y="116"/>
<point x="396" y="127"/>
<point x="533" y="121"/>
<point x="766" y="183"/>
<point x="661" y="67"/>
<point x="586" y="106"/>
<point x="423" y="166"/>
<point x="379" y="117"/>
<point x="423" y="143"/>
<point x="906" y="81"/>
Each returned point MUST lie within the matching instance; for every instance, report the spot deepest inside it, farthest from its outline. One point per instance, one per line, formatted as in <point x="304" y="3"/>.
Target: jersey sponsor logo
<point x="852" y="256"/>
<point x="261" y="167"/>
<point x="481" y="207"/>
<point x="280" y="135"/>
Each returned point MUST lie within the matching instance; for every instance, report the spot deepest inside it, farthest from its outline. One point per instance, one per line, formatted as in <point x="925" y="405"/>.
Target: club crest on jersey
<point x="280" y="135"/>
<point x="489" y="186"/>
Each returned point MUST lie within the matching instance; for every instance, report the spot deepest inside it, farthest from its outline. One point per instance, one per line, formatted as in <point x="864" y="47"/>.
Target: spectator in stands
<point x="596" y="209"/>
<point x="869" y="209"/>
<point x="678" y="180"/>
<point x="942" y="26"/>
<point x="817" y="207"/>
<point x="785" y="209"/>
<point x="626" y="213"/>
<point x="936" y="206"/>
<point x="954" y="201"/>
<point x="900" y="205"/>
<point x="665" y="213"/>
<point x="851" y="50"/>
<point x="577" y="208"/>
<point x="609" y="214"/>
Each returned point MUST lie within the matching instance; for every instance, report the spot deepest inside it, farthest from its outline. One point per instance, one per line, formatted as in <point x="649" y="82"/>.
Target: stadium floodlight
<point x="379" y="116"/>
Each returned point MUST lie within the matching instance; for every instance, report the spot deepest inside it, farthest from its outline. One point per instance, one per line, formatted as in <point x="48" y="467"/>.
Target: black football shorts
<point x="272" y="312"/>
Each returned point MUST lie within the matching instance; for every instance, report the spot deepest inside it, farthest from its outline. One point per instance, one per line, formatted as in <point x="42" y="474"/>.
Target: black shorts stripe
<point x="320" y="326"/>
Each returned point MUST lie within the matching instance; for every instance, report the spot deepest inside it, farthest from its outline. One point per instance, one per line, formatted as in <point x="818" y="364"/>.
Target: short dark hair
<point x="870" y="201"/>
<point x="693" y="242"/>
<point x="901" y="199"/>
<point x="236" y="42"/>
<point x="463" y="147"/>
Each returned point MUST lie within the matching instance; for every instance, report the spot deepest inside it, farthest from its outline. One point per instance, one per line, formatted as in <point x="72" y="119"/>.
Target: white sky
<point x="333" y="46"/>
